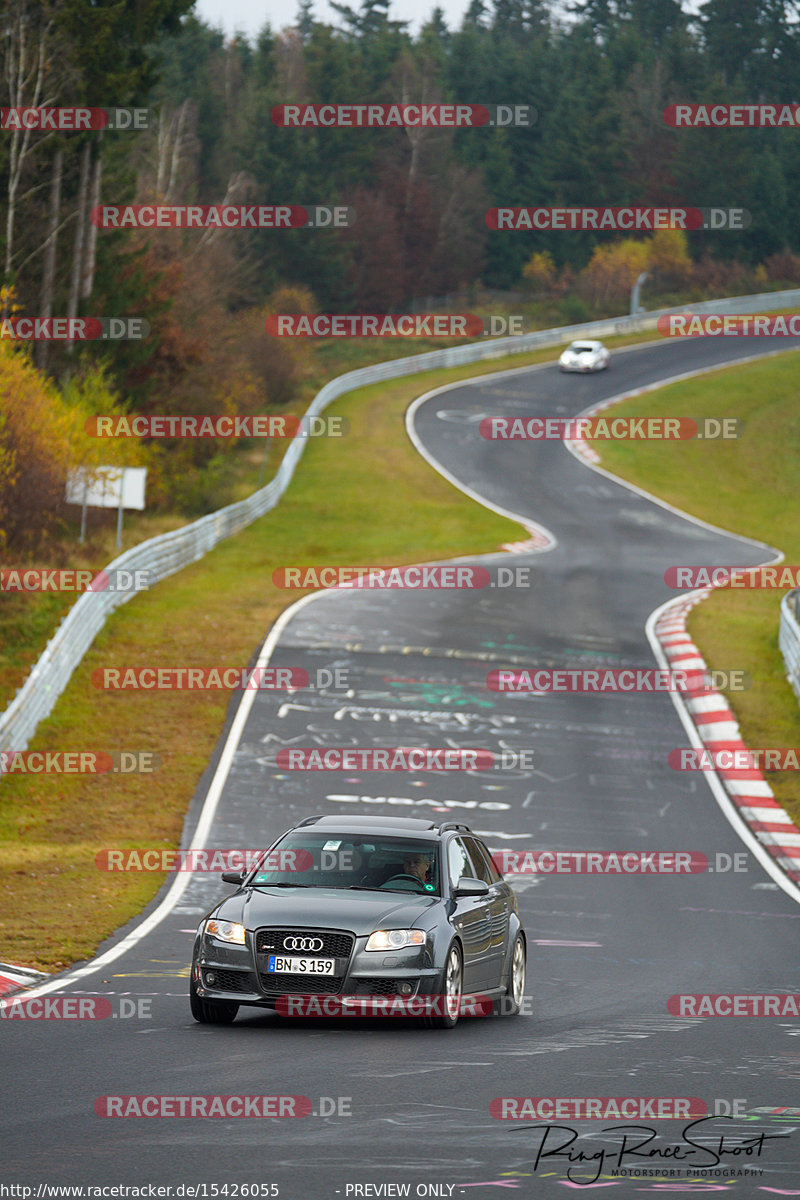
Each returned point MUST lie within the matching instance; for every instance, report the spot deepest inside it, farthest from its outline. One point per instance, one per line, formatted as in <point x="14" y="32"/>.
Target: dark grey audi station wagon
<point x="410" y="915"/>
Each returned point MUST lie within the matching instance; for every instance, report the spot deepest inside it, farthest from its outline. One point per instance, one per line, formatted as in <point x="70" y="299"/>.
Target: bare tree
<point x="49" y="266"/>
<point x="81" y="221"/>
<point x="175" y="147"/>
<point x="290" y="66"/>
<point x="90" y="254"/>
<point x="414" y="82"/>
<point x="27" y="46"/>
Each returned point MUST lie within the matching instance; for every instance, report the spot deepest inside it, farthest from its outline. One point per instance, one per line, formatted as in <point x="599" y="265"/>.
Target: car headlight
<point x="395" y="939"/>
<point x="226" y="931"/>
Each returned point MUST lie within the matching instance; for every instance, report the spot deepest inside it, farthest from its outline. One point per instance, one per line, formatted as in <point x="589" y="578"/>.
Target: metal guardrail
<point x="789" y="637"/>
<point x="162" y="556"/>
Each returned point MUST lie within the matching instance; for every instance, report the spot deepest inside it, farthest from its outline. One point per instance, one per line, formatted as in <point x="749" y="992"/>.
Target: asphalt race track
<point x="605" y="953"/>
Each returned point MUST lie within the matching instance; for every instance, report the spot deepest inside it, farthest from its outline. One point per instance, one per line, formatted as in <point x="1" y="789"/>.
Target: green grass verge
<point x="368" y="498"/>
<point x="747" y="486"/>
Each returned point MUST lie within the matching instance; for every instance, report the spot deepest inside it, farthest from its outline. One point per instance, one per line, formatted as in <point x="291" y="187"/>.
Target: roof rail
<point x="453" y="825"/>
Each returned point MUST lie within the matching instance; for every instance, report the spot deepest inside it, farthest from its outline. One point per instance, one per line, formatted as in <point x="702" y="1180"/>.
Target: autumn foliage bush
<point x="42" y="436"/>
<point x="35" y="443"/>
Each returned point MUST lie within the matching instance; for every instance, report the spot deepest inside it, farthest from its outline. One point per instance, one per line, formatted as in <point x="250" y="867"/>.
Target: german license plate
<point x="301" y="966"/>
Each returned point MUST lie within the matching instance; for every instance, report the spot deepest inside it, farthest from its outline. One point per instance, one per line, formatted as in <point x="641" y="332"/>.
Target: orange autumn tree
<point x="539" y="272"/>
<point x="41" y="437"/>
<point x="614" y="268"/>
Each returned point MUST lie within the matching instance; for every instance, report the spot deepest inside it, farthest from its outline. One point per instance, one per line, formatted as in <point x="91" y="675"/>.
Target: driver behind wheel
<point x="418" y="865"/>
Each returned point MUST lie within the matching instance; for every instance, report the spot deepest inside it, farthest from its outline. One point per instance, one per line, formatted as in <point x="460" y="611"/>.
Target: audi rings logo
<point x="309" y="944"/>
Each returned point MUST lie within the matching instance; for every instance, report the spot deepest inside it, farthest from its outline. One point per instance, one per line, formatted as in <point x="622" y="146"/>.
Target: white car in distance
<point x="584" y="356"/>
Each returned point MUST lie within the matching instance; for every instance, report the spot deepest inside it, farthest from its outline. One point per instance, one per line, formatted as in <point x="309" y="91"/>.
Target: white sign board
<point x="99" y="487"/>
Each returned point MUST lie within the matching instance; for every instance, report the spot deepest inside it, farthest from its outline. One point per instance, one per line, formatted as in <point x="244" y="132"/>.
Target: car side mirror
<point x="467" y="886"/>
<point x="233" y="877"/>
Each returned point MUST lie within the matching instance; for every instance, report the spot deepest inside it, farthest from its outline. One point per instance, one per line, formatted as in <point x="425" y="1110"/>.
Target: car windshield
<point x="347" y="860"/>
<point x="581" y="348"/>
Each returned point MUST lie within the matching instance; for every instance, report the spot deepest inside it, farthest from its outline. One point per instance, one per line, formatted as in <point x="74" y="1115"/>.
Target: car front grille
<point x="302" y="985"/>
<point x="335" y="943"/>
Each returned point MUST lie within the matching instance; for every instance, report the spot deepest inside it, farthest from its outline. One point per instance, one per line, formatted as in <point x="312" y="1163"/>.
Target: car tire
<point x="510" y="1005"/>
<point x="449" y="993"/>
<point x="211" y="1012"/>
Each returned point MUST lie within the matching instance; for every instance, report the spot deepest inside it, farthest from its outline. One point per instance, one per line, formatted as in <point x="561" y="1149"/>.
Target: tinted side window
<point x="493" y="871"/>
<point x="458" y="863"/>
<point x="484" y="867"/>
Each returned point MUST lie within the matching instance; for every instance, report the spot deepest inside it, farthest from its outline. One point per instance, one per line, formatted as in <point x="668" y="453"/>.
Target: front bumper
<point x="237" y="973"/>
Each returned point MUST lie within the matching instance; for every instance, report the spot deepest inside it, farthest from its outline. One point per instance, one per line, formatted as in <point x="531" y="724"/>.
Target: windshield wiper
<point x="262" y="884"/>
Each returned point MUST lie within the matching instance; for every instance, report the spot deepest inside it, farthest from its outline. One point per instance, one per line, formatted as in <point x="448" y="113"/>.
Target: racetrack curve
<point x="605" y="953"/>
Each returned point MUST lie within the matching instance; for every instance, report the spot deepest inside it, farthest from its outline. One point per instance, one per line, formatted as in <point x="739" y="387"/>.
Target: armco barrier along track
<point x="789" y="638"/>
